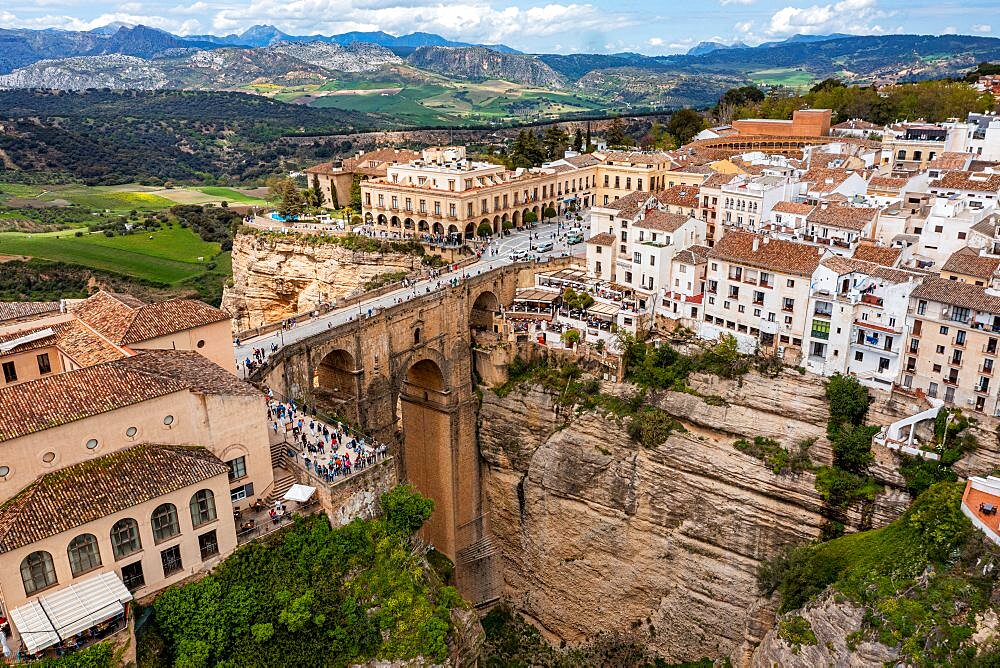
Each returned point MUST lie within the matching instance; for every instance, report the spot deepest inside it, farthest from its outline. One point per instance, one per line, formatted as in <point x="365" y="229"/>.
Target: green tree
<point x="554" y="142"/>
<point x="550" y="213"/>
<point x="571" y="337"/>
<point x="356" y="193"/>
<point x="616" y="136"/>
<point x="292" y="202"/>
<point x="849" y="402"/>
<point x="405" y="509"/>
<point x="315" y="194"/>
<point x="578" y="140"/>
<point x="484" y="230"/>
<point x="587" y="145"/>
<point x="530" y="217"/>
<point x="684" y="124"/>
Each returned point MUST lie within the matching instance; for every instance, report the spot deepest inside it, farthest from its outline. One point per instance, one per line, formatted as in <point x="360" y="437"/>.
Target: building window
<point x="821" y="329"/>
<point x="132" y="576"/>
<point x="237" y="468"/>
<point x="241" y="492"/>
<point x="84" y="555"/>
<point x="202" y="507"/>
<point x="171" y="560"/>
<point x="44" y="366"/>
<point x="859" y="356"/>
<point x="9" y="372"/>
<point x="164" y="521"/>
<point x="208" y="545"/>
<point x="37" y="572"/>
<point x="125" y="538"/>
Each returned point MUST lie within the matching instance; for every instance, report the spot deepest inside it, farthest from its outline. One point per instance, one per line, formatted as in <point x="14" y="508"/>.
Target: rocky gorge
<point x="598" y="533"/>
<point x="276" y="276"/>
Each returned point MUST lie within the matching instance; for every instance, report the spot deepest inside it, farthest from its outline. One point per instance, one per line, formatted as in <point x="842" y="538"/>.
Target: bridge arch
<point x="336" y="383"/>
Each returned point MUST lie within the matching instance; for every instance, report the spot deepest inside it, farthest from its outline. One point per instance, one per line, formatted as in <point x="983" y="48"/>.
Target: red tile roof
<point x="883" y="255"/>
<point x="798" y="208"/>
<point x="824" y="179"/>
<point x="662" y="221"/>
<point x="777" y="255"/>
<point x="74" y="395"/>
<point x="971" y="181"/>
<point x="628" y="205"/>
<point x="26" y="310"/>
<point x="853" y="218"/>
<point x="124" y="320"/>
<point x="73" y="338"/>
<point x="956" y="293"/>
<point x="79" y="494"/>
<point x="679" y="195"/>
<point x="969" y="262"/>
<point x="602" y="239"/>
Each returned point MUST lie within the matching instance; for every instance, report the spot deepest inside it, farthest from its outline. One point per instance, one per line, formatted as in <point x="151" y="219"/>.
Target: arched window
<point x="84" y="555"/>
<point x="164" y="521"/>
<point x="416" y="335"/>
<point x="125" y="538"/>
<point x="202" y="507"/>
<point x="37" y="572"/>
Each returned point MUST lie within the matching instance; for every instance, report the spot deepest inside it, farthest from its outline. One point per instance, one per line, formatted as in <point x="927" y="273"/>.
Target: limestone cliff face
<point x="598" y="533"/>
<point x="832" y="621"/>
<point x="277" y="277"/>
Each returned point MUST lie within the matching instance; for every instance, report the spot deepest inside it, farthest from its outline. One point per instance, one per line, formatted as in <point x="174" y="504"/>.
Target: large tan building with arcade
<point x="804" y="123"/>
<point x="124" y="448"/>
<point x="445" y="193"/>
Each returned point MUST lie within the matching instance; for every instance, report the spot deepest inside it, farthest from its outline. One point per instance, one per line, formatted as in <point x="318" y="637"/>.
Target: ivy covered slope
<point x="316" y="596"/>
<point x="925" y="584"/>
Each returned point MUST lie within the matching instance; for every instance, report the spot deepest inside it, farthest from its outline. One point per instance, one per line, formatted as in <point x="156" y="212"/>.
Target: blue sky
<point x="559" y="26"/>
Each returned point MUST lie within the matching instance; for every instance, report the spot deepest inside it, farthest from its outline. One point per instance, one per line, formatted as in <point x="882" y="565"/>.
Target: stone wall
<point x="357" y="497"/>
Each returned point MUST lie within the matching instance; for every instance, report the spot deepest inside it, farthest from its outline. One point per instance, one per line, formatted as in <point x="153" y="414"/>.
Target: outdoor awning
<point x="603" y="309"/>
<point x="299" y="493"/>
<point x="54" y="617"/>
<point x="534" y="295"/>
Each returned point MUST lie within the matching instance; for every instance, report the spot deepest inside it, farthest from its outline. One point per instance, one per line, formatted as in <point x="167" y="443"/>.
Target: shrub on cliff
<point x="314" y="595"/>
<point x="924" y="576"/>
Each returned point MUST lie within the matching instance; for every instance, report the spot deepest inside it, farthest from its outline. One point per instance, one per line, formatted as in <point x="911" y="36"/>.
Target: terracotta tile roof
<point x="55" y="400"/>
<point x="602" y="239"/>
<point x="662" y="221"/>
<point x="974" y="181"/>
<point x="123" y="320"/>
<point x="638" y="158"/>
<point x="950" y="160"/>
<point x="78" y="494"/>
<point x="969" y="262"/>
<point x="693" y="255"/>
<point x="852" y="218"/>
<point x="73" y="338"/>
<point x="824" y="179"/>
<point x="883" y="255"/>
<point x="582" y="160"/>
<point x="777" y="255"/>
<point x="988" y="225"/>
<point x="886" y="183"/>
<point x="26" y="310"/>
<point x="380" y="157"/>
<point x="628" y="205"/>
<point x="559" y="169"/>
<point x="717" y="180"/>
<point x="679" y="195"/>
<point x="846" y="265"/>
<point x="956" y="293"/>
<point x="856" y="124"/>
<point x="798" y="208"/>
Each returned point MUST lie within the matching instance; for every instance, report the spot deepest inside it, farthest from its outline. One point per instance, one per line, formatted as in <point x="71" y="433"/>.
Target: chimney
<point x="756" y="243"/>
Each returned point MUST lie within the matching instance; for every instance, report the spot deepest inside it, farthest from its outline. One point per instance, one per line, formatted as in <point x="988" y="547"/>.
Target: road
<point x="516" y="241"/>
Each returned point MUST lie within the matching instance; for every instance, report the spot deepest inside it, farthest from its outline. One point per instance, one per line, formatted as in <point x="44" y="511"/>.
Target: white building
<point x="858" y="318"/>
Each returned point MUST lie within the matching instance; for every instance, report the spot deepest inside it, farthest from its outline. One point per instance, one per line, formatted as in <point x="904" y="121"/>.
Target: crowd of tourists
<point x="326" y="451"/>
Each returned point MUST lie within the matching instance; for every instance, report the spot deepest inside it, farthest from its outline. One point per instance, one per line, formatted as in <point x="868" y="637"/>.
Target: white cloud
<point x="466" y="20"/>
<point x="949" y="30"/>
<point x="735" y="2"/>
<point x="193" y="8"/>
<point x="655" y="41"/>
<point x="743" y="26"/>
<point x="847" y="16"/>
<point x="130" y="7"/>
<point x="983" y="28"/>
<point x="178" y="27"/>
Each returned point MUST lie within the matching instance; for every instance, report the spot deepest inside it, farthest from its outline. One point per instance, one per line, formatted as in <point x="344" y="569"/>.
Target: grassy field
<point x="783" y="76"/>
<point x="122" y="198"/>
<point x="170" y="256"/>
<point x="230" y="195"/>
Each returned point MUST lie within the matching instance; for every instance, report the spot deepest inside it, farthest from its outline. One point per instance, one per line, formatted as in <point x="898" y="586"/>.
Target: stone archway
<point x="438" y="228"/>
<point x="470" y="230"/>
<point x="427" y="448"/>
<point x="394" y="221"/>
<point x="335" y="383"/>
<point x="382" y="220"/>
<point x="516" y="219"/>
<point x="483" y="310"/>
<point x="423" y="226"/>
<point x="368" y="218"/>
<point x="453" y="229"/>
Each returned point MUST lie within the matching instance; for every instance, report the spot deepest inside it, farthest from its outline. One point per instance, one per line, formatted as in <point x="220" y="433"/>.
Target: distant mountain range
<point x="701" y="48"/>
<point x="21" y="47"/>
<point x="360" y="70"/>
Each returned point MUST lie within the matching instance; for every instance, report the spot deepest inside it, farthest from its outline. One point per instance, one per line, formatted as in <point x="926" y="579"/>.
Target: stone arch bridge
<point x="406" y="377"/>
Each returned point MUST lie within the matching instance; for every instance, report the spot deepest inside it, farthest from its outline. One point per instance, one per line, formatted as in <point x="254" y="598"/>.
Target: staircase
<point x="278" y="454"/>
<point x="283" y="481"/>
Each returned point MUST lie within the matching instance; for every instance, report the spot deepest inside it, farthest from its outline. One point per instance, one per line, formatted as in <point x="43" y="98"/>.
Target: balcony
<point x="958" y="344"/>
<point x="990" y="350"/>
<point x="950" y="381"/>
<point x="955" y="361"/>
<point x="985" y="370"/>
<point x="823" y="313"/>
<point x="871" y="299"/>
